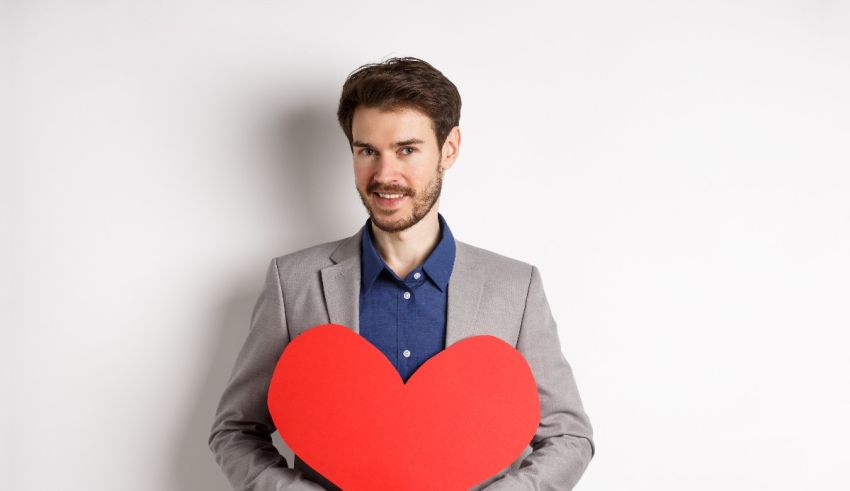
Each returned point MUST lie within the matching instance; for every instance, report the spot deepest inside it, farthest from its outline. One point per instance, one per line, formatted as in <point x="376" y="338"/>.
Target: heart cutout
<point x="464" y="415"/>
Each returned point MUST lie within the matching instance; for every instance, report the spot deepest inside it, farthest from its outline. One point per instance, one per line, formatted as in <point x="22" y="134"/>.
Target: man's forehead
<point x="375" y="126"/>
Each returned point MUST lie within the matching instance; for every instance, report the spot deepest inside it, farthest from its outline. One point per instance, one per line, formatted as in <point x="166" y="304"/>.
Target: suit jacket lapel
<point x="341" y="283"/>
<point x="466" y="285"/>
<point x="341" y="286"/>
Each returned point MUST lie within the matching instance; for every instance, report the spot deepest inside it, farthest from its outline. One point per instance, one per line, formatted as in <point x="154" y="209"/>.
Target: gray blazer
<point x="487" y="294"/>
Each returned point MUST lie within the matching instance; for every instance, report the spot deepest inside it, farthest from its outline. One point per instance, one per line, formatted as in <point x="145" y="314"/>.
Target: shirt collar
<point x="438" y="266"/>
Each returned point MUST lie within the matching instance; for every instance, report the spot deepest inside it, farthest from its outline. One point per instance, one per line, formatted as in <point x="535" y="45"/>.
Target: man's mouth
<point x="389" y="200"/>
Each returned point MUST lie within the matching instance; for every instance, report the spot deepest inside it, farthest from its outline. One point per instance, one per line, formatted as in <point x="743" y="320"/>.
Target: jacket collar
<point x="341" y="286"/>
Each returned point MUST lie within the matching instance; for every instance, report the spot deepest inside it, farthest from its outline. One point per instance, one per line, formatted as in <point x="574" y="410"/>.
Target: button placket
<point x="407" y="315"/>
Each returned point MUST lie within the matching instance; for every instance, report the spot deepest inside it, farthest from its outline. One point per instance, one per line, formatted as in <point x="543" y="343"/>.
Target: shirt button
<point x="416" y="276"/>
<point x="406" y="353"/>
<point x="406" y="295"/>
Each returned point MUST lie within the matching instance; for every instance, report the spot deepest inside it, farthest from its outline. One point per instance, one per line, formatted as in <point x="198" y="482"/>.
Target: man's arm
<point x="240" y="436"/>
<point x="563" y="444"/>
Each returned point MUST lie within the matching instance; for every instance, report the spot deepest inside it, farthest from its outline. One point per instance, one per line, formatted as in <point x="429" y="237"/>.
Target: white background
<point x="677" y="170"/>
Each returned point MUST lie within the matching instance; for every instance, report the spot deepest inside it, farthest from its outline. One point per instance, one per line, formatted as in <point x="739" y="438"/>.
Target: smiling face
<point x="398" y="168"/>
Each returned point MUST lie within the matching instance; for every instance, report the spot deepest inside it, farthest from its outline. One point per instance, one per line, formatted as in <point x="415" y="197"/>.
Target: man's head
<point x="401" y="120"/>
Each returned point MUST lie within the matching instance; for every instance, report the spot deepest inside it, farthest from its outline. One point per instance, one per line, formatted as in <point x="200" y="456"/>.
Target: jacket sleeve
<point x="240" y="437"/>
<point x="563" y="445"/>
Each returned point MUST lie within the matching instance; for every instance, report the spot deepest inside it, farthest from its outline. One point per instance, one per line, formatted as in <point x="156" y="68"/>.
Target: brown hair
<point x="398" y="83"/>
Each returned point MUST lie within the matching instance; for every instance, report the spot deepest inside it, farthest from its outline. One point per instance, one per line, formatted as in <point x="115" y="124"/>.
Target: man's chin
<point x="396" y="225"/>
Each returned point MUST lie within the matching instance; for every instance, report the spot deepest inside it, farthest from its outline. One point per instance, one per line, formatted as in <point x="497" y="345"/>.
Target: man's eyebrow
<point x="409" y="141"/>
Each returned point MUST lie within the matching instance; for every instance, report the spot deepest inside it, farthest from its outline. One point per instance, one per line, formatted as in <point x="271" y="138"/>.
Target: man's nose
<point x="387" y="168"/>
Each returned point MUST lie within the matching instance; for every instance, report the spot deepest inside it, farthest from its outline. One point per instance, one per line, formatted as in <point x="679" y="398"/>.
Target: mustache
<point x="390" y="189"/>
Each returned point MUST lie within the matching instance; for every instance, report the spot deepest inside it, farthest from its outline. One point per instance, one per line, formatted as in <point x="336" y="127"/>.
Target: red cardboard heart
<point x="463" y="416"/>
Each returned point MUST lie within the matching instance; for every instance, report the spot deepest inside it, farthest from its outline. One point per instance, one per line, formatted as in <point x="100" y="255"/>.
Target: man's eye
<point x="412" y="149"/>
<point x="364" y="150"/>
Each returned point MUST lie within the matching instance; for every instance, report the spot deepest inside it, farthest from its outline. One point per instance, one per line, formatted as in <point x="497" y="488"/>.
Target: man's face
<point x="398" y="168"/>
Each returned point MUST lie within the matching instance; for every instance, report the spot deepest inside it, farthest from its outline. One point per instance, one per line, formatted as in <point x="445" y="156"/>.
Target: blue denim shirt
<point x="406" y="318"/>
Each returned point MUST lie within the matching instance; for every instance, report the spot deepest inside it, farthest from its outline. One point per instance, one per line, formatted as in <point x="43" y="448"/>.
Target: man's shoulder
<point x="493" y="262"/>
<point x="310" y="258"/>
<point x="499" y="266"/>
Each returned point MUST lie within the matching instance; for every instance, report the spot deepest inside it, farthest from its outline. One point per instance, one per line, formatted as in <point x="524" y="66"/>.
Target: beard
<point x="422" y="203"/>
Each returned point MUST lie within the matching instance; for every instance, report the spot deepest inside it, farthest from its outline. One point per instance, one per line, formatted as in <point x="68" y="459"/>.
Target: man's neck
<point x="406" y="250"/>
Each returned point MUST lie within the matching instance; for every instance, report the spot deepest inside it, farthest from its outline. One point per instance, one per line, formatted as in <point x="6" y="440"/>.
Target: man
<point x="405" y="284"/>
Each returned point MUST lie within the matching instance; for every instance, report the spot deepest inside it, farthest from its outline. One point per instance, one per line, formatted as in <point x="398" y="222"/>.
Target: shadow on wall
<point x="317" y="173"/>
<point x="301" y="158"/>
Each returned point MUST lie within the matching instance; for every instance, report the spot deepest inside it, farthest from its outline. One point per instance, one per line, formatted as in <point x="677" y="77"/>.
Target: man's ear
<point x="451" y="148"/>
